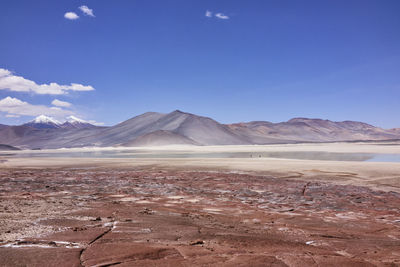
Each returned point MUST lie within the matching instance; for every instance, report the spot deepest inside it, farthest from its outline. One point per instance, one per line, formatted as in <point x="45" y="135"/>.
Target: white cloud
<point x="15" y="107"/>
<point x="221" y="16"/>
<point x="12" y="116"/>
<point x="86" y="10"/>
<point x="60" y="103"/>
<point x="208" y="14"/>
<point x="4" y="72"/>
<point x="11" y="82"/>
<point x="71" y="16"/>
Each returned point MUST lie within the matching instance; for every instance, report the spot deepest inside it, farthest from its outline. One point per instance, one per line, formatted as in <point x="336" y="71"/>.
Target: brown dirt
<point x="155" y="217"/>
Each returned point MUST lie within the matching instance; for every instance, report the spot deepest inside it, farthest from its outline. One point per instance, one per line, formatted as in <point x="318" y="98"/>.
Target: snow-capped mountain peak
<point x="74" y="122"/>
<point x="45" y="120"/>
<point x="73" y="119"/>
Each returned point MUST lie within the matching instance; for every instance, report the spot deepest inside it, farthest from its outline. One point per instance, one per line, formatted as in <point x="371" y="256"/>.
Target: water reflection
<point x="302" y="155"/>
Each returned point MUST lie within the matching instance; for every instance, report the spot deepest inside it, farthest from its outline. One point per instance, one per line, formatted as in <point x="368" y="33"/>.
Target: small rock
<point x="198" y="242"/>
<point x="147" y="211"/>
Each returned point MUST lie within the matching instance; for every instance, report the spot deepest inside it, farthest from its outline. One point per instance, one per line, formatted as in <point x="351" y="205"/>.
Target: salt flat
<point x="380" y="175"/>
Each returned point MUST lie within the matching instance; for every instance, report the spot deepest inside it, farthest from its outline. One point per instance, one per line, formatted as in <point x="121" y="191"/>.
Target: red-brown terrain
<point x="159" y="217"/>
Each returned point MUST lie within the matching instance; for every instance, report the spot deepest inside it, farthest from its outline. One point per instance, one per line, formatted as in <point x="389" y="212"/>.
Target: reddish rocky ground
<point x="152" y="217"/>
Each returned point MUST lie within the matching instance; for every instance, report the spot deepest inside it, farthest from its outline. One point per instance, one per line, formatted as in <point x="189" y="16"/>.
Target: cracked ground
<point x="156" y="217"/>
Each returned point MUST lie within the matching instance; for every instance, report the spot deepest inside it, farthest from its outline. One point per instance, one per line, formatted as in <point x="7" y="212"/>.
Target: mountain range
<point x="177" y="127"/>
<point x="44" y="122"/>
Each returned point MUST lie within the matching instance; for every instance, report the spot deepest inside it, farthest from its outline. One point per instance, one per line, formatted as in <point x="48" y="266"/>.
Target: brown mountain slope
<point x="160" y="138"/>
<point x="200" y="130"/>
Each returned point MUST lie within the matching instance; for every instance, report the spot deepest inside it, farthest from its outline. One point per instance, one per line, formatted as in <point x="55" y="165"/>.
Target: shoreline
<point x="376" y="175"/>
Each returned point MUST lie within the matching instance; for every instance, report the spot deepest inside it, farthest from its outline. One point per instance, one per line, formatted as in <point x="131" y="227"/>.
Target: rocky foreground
<point x="154" y="217"/>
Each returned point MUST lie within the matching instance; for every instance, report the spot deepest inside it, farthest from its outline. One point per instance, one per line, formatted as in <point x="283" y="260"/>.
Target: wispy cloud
<point x="9" y="81"/>
<point x="209" y="14"/>
<point x="87" y="11"/>
<point x="12" y="116"/>
<point x="15" y="107"/>
<point x="71" y="16"/>
<point x="60" y="103"/>
<point x="221" y="16"/>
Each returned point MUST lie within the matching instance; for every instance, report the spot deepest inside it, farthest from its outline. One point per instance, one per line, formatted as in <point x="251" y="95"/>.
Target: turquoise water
<point x="385" y="158"/>
<point x="303" y="155"/>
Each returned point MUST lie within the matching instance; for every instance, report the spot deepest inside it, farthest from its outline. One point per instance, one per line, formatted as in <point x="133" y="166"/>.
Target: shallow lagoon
<point x="135" y="153"/>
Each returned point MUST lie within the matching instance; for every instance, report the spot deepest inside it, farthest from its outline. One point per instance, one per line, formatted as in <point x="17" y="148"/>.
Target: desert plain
<point x="327" y="204"/>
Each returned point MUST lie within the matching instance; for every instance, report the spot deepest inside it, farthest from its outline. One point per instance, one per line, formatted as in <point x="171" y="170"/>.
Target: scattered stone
<point x="243" y="217"/>
<point x="147" y="211"/>
<point x="198" y="242"/>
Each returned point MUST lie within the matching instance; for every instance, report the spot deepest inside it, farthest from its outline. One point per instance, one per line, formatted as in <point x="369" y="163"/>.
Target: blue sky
<point x="256" y="60"/>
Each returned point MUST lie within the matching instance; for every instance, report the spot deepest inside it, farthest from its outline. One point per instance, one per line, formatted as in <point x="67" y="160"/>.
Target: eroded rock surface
<point x="152" y="217"/>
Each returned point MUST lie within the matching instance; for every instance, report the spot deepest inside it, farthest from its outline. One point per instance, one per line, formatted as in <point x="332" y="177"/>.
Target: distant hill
<point x="311" y="130"/>
<point x="4" y="147"/>
<point x="177" y="127"/>
<point x="395" y="131"/>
